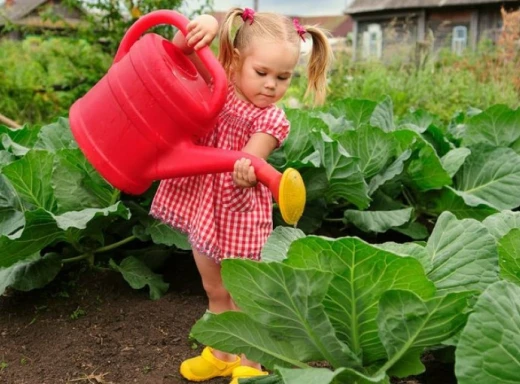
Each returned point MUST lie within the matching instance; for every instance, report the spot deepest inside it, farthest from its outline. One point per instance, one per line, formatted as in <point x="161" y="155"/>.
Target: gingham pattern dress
<point x="221" y="220"/>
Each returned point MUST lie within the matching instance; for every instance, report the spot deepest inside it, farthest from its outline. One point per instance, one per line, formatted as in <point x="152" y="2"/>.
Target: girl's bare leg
<point x="219" y="299"/>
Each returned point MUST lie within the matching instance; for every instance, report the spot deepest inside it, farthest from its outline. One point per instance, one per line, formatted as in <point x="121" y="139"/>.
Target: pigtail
<point x="226" y="52"/>
<point x="318" y="65"/>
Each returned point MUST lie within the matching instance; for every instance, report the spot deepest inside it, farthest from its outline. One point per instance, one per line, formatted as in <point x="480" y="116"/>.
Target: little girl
<point x="229" y="215"/>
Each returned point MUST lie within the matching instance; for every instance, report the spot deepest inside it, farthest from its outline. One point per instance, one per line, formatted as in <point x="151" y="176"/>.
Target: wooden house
<point x="383" y="28"/>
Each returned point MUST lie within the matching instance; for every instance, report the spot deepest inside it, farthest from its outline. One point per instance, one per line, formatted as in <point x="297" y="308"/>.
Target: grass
<point x="443" y="85"/>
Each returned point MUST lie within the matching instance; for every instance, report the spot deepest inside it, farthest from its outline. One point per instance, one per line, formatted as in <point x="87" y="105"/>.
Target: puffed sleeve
<point x="273" y="122"/>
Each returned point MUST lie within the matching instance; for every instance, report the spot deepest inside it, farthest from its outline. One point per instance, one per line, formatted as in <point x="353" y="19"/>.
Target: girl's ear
<point x="236" y="54"/>
<point x="235" y="64"/>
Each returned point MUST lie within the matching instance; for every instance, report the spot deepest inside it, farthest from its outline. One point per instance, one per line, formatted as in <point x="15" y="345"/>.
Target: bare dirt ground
<point x="91" y="327"/>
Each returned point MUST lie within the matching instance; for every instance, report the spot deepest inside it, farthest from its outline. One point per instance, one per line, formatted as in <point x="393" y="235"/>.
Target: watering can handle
<point x="176" y="19"/>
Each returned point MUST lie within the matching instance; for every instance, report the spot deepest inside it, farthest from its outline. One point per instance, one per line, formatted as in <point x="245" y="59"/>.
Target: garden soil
<point x="91" y="327"/>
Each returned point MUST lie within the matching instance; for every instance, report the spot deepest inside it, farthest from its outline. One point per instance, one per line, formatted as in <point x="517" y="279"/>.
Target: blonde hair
<point x="277" y="28"/>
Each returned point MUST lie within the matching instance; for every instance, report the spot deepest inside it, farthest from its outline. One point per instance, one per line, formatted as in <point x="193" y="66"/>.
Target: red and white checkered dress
<point x="221" y="220"/>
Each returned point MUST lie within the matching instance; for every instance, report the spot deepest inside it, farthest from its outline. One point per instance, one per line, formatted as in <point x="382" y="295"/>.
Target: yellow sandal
<point x="244" y="372"/>
<point x="207" y="366"/>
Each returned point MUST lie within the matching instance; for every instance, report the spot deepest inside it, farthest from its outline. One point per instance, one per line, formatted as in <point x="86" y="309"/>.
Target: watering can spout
<point x="288" y="188"/>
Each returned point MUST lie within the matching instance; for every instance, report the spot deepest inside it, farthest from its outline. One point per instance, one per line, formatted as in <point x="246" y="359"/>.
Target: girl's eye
<point x="260" y="73"/>
<point x="282" y="78"/>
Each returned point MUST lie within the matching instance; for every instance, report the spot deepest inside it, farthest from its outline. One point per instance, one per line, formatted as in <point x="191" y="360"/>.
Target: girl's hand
<point x="244" y="174"/>
<point x="201" y="31"/>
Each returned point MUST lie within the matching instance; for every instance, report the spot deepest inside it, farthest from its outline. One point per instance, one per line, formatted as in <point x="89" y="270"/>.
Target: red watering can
<point x="139" y="123"/>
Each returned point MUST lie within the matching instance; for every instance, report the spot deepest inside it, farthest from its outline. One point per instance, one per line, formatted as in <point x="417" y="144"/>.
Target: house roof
<point x="16" y="9"/>
<point x="19" y="12"/>
<point x="367" y="6"/>
<point x="337" y="25"/>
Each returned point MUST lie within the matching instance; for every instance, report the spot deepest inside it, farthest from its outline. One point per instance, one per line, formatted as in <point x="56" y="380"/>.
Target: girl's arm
<point x="260" y="145"/>
<point x="201" y="32"/>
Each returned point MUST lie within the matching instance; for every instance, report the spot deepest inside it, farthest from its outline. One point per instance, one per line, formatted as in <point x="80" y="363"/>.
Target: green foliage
<point x="55" y="209"/>
<point x="77" y="313"/>
<point x="374" y="171"/>
<point x="489" y="350"/>
<point x="365" y="310"/>
<point x="41" y="78"/>
<point x="370" y="311"/>
<point x="363" y="167"/>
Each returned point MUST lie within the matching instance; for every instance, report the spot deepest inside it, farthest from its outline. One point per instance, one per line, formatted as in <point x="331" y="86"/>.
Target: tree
<point x="108" y="20"/>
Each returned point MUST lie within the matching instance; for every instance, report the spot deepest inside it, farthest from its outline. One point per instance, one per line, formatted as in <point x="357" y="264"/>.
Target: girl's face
<point x="264" y="71"/>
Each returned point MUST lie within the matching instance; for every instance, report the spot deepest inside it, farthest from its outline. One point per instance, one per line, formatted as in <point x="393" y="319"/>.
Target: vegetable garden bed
<point x="92" y="328"/>
<point x="421" y="253"/>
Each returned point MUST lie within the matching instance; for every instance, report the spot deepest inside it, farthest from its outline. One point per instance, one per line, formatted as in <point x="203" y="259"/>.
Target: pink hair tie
<point x="248" y="14"/>
<point x="301" y="31"/>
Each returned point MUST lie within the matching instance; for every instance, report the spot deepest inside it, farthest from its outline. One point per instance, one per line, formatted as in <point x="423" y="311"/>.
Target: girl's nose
<point x="270" y="83"/>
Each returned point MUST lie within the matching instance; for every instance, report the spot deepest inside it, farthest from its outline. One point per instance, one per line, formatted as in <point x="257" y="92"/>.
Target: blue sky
<point x="293" y="7"/>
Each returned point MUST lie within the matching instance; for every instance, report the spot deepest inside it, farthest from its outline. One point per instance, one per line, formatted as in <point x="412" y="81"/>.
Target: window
<point x="372" y="41"/>
<point x="459" y="40"/>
